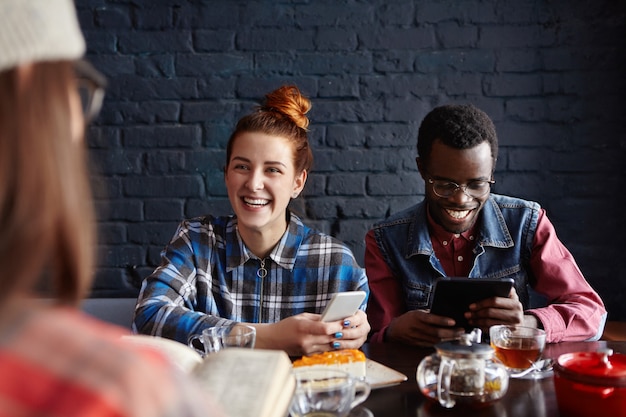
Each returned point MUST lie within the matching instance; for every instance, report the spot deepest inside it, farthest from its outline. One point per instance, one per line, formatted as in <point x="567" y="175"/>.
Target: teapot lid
<point x="465" y="347"/>
<point x="596" y="368"/>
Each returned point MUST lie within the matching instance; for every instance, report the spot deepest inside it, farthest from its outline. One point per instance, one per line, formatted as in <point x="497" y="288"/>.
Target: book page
<point x="182" y="356"/>
<point x="248" y="382"/>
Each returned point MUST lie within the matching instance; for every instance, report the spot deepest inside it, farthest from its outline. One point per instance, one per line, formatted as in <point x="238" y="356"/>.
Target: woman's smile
<point x="261" y="180"/>
<point x="255" y="202"/>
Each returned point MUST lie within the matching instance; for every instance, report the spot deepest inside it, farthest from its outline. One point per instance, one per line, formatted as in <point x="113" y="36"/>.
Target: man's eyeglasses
<point x="91" y="85"/>
<point x="475" y="189"/>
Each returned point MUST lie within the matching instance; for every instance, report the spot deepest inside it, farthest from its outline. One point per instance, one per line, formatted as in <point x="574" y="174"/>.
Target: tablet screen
<point x="452" y="296"/>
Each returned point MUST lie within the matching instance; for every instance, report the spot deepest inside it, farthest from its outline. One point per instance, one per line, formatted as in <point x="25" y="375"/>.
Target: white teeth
<point x="457" y="214"/>
<point x="256" y="201"/>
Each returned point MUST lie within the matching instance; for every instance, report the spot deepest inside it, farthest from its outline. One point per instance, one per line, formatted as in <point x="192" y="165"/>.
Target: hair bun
<point x="289" y="101"/>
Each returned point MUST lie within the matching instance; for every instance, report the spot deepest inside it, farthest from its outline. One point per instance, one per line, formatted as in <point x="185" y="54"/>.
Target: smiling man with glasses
<point x="461" y="229"/>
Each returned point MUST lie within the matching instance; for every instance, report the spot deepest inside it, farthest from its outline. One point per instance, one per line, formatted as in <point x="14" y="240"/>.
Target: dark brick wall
<point x="550" y="73"/>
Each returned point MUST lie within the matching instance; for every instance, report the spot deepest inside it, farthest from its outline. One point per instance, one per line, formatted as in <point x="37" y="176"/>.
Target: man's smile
<point x="458" y="214"/>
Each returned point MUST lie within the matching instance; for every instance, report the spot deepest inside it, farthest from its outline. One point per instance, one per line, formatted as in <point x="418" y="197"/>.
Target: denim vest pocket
<point x="417" y="295"/>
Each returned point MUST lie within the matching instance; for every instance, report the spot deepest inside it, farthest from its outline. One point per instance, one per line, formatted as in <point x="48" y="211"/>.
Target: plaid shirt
<point x="58" y="362"/>
<point x="208" y="277"/>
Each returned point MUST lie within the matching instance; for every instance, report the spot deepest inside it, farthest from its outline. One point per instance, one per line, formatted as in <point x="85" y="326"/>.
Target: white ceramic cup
<point x="326" y="392"/>
<point x="217" y="338"/>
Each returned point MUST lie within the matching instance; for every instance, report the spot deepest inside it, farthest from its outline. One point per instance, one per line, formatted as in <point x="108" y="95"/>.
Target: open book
<point x="246" y="382"/>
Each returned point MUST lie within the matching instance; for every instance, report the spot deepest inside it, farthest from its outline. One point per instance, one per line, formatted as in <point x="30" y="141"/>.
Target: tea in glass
<point x="517" y="347"/>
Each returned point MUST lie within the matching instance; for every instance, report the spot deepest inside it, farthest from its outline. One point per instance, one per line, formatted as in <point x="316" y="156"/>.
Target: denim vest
<point x="504" y="239"/>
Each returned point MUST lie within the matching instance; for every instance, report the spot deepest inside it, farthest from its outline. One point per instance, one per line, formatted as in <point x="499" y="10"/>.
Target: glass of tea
<point x="517" y="347"/>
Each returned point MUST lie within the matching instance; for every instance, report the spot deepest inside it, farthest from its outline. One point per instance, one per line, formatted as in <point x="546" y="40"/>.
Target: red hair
<point x="282" y="113"/>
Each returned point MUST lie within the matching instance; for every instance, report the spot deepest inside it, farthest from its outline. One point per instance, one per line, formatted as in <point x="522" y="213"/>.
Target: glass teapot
<point x="462" y="371"/>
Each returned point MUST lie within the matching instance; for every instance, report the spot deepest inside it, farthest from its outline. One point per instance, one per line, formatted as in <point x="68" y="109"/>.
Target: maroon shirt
<point x="453" y="250"/>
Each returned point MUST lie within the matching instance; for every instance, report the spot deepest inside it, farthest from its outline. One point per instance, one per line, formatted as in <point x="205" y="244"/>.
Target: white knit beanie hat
<point x="38" y="30"/>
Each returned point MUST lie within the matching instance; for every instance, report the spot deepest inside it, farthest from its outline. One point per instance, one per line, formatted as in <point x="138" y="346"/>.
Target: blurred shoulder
<point x="79" y="355"/>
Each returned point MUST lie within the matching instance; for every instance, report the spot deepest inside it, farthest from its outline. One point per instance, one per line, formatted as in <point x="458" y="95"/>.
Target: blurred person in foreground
<point x="54" y="360"/>
<point x="460" y="229"/>
<point x="261" y="266"/>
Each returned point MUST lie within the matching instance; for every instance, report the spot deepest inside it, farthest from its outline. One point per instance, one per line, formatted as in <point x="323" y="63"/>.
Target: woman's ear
<point x="298" y="183"/>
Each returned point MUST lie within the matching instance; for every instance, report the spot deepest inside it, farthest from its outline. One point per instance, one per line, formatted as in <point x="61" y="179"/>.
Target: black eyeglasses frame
<point x="91" y="86"/>
<point x="463" y="187"/>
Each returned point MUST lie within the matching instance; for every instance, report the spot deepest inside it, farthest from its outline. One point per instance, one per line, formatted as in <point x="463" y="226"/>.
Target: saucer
<point x="539" y="370"/>
<point x="535" y="375"/>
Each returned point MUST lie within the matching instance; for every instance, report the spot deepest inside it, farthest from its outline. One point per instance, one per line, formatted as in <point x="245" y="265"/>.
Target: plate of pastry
<point x="356" y="364"/>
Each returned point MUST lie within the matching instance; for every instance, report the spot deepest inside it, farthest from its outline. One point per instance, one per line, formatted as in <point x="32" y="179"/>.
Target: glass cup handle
<point x="443" y="383"/>
<point x="362" y="391"/>
<point x="196" y="337"/>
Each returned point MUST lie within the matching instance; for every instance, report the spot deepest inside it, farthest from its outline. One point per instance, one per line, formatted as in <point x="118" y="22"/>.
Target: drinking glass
<point x="326" y="392"/>
<point x="216" y="338"/>
<point x="517" y="347"/>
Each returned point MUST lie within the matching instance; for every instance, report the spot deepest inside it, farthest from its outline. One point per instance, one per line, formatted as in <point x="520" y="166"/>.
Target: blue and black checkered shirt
<point x="208" y="277"/>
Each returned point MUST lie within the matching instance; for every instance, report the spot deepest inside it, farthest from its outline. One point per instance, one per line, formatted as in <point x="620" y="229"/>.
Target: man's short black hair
<point x="460" y="126"/>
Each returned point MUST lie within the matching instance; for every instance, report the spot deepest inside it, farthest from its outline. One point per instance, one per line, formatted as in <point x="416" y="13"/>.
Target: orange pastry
<point x="349" y="360"/>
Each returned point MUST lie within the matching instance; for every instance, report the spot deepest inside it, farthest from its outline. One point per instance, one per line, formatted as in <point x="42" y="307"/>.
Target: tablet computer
<point x="452" y="296"/>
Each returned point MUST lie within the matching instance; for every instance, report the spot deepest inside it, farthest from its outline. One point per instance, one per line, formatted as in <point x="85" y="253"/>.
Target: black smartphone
<point x="452" y="296"/>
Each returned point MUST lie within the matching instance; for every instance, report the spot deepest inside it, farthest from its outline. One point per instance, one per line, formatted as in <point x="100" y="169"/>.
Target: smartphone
<point x="452" y="296"/>
<point x="342" y="305"/>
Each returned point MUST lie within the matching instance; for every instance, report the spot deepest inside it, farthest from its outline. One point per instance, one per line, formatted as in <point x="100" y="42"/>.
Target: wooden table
<point x="524" y="397"/>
